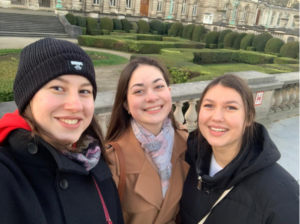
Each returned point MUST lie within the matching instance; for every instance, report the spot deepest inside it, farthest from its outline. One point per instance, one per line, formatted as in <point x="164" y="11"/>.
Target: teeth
<point x="217" y="129"/>
<point x="67" y="121"/>
<point x="154" y="108"/>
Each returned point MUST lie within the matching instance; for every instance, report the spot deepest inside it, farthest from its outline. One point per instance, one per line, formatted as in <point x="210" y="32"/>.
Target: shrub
<point x="155" y="32"/>
<point x="212" y="56"/>
<point x="211" y="38"/>
<point x="203" y="37"/>
<point x="252" y="57"/>
<point x="237" y="42"/>
<point x="247" y="41"/>
<point x="290" y="49"/>
<point x="106" y="24"/>
<point x="81" y="21"/>
<point x="259" y="41"/>
<point x="169" y="27"/>
<point x="118" y="32"/>
<point x="179" y="75"/>
<point x="213" y="46"/>
<point x="249" y="48"/>
<point x="198" y="32"/>
<point x="185" y="31"/>
<point x="149" y="37"/>
<point x="165" y="28"/>
<point x="91" y="23"/>
<point x="105" y="32"/>
<point x="220" y="45"/>
<point x="96" y="32"/>
<point x="190" y="31"/>
<point x="125" y="25"/>
<point x="71" y="18"/>
<point x="180" y="32"/>
<point x="134" y="26"/>
<point x="283" y="60"/>
<point x="143" y="26"/>
<point x="174" y="30"/>
<point x="273" y="45"/>
<point x="229" y="39"/>
<point x="132" y="31"/>
<point x="117" y="24"/>
<point x="156" y="25"/>
<point x="223" y="34"/>
<point x="83" y="30"/>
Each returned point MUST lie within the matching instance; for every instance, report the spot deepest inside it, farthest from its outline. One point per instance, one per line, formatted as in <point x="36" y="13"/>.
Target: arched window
<point x="113" y="2"/>
<point x="225" y="13"/>
<point x="234" y="13"/>
<point x="183" y="7"/>
<point x="159" y="5"/>
<point x="272" y="18"/>
<point x="173" y="6"/>
<point x="128" y="3"/>
<point x="195" y="8"/>
<point x="278" y="19"/>
<point x="245" y="13"/>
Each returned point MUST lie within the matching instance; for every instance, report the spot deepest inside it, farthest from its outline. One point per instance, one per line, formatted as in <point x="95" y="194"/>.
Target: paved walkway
<point x="106" y="76"/>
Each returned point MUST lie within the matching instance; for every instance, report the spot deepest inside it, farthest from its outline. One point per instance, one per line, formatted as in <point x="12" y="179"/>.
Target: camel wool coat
<point x="143" y="201"/>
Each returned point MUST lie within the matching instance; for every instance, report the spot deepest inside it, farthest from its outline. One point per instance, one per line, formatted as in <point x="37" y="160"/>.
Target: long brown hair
<point x="239" y="85"/>
<point x="93" y="130"/>
<point x="119" y="120"/>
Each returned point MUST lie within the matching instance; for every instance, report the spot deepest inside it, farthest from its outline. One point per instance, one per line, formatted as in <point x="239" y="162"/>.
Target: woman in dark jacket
<point x="234" y="177"/>
<point x="52" y="166"/>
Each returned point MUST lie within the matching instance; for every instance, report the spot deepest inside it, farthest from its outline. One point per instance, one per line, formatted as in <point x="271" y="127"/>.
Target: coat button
<point x="63" y="184"/>
<point x="32" y="148"/>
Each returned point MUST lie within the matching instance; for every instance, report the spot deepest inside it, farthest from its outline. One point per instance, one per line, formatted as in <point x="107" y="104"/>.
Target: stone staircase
<point x="30" y="25"/>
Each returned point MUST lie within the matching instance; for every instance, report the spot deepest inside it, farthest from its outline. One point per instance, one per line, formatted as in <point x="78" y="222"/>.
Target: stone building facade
<point x="231" y="12"/>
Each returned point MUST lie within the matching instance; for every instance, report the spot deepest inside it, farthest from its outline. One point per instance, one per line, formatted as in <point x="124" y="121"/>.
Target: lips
<point x="218" y="129"/>
<point x="69" y="121"/>
<point x="153" y="108"/>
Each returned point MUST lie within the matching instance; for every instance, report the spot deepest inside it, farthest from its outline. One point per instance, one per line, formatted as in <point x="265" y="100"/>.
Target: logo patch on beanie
<point x="76" y="66"/>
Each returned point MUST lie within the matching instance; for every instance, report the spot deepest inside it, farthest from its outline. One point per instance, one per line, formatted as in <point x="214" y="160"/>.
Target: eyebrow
<point x="66" y="81"/>
<point x="227" y="102"/>
<point x="142" y="84"/>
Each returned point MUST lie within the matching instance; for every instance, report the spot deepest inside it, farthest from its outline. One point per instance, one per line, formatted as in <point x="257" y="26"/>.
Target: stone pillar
<point x="89" y="6"/>
<point x="5" y="3"/>
<point x="179" y="7"/>
<point x="296" y="21"/>
<point x="33" y="4"/>
<point x="106" y="6"/>
<point x="122" y="6"/>
<point x="137" y="7"/>
<point x="283" y="22"/>
<point x="189" y="11"/>
<point x="153" y="13"/>
<point x="166" y="8"/>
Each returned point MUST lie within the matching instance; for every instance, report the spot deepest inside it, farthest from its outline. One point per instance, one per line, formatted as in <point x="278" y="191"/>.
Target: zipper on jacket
<point x="199" y="183"/>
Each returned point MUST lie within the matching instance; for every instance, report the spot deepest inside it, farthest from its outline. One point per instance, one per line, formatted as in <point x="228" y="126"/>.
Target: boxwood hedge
<point x="237" y="42"/>
<point x="229" y="39"/>
<point x="223" y="34"/>
<point x="199" y="31"/>
<point x="91" y="23"/>
<point x="156" y="25"/>
<point x="273" y="45"/>
<point x="117" y="24"/>
<point x="284" y="60"/>
<point x="71" y="18"/>
<point x="173" y="32"/>
<point x="247" y="41"/>
<point x="259" y="41"/>
<point x="81" y="21"/>
<point x="143" y="27"/>
<point x="107" y="24"/>
<point x="125" y="25"/>
<point x="290" y="49"/>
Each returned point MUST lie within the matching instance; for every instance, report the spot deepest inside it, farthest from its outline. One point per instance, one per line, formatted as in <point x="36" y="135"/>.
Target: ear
<point x="248" y="123"/>
<point x="125" y="105"/>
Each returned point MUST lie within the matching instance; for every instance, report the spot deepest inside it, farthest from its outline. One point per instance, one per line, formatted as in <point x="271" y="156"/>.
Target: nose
<point x="218" y="115"/>
<point x="73" y="103"/>
<point x="151" y="96"/>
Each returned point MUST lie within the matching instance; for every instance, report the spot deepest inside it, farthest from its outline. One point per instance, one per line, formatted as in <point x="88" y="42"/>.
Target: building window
<point x="208" y="18"/>
<point x="159" y="5"/>
<point x="96" y="2"/>
<point x="278" y="19"/>
<point x="128" y="3"/>
<point x="173" y="6"/>
<point x="234" y="13"/>
<point x="272" y="18"/>
<point x="113" y="2"/>
<point x="225" y="13"/>
<point x="195" y="8"/>
<point x="183" y="7"/>
<point x="244" y="16"/>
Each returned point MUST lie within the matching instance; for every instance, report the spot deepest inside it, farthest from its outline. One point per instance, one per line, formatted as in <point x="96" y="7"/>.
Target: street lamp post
<point x="58" y="5"/>
<point x="235" y="3"/>
<point x="170" y="12"/>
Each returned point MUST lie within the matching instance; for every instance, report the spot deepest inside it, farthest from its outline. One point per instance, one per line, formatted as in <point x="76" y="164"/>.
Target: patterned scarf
<point x="159" y="147"/>
<point x="89" y="155"/>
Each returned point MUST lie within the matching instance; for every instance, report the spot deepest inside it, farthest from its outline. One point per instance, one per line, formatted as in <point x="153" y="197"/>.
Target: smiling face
<point x="222" y="118"/>
<point x="148" y="98"/>
<point x="64" y="107"/>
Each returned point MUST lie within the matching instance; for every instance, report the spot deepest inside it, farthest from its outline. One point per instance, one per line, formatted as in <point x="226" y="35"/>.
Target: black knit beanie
<point x="46" y="59"/>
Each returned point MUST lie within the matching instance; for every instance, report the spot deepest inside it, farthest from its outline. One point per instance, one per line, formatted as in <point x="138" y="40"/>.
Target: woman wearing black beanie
<point x="53" y="165"/>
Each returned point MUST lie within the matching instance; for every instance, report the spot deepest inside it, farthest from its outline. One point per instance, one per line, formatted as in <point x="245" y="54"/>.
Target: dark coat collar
<point x="19" y="141"/>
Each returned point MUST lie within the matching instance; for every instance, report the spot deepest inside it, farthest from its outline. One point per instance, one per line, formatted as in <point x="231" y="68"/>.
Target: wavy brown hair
<point x="93" y="130"/>
<point x="120" y="119"/>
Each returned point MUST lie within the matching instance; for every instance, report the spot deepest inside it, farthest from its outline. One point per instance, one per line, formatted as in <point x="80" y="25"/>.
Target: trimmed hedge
<point x="71" y="18"/>
<point x="185" y="31"/>
<point x="252" y="57"/>
<point x="105" y="32"/>
<point x="174" y="30"/>
<point x="142" y="47"/>
<point x="212" y="56"/>
<point x="237" y="42"/>
<point x="81" y="21"/>
<point x="220" y="45"/>
<point x="91" y="23"/>
<point x="247" y="41"/>
<point x="117" y="24"/>
<point x="134" y="26"/>
<point x="212" y="38"/>
<point x="190" y="31"/>
<point x="106" y="24"/>
<point x="180" y="32"/>
<point x="273" y="45"/>
<point x="250" y="48"/>
<point x="132" y="31"/>
<point x="283" y="60"/>
<point x="199" y="31"/>
<point x="165" y="28"/>
<point x="96" y="32"/>
<point x="149" y="37"/>
<point x="156" y="25"/>
<point x="290" y="50"/>
<point x="213" y="46"/>
<point x="83" y="30"/>
<point x="118" y="31"/>
<point x="229" y="39"/>
<point x="223" y="34"/>
<point x="143" y="27"/>
<point x="203" y="37"/>
<point x="155" y="32"/>
<point x="125" y="25"/>
<point x="259" y="41"/>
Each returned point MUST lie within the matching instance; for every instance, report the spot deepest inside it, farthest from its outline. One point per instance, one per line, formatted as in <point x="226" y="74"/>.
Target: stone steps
<point x="28" y="25"/>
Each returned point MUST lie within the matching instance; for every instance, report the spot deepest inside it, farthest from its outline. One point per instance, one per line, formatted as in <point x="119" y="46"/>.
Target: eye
<point x="138" y="91"/>
<point x="57" y="88"/>
<point x="159" y="86"/>
<point x="231" y="108"/>
<point x="85" y="91"/>
<point x="208" y="105"/>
